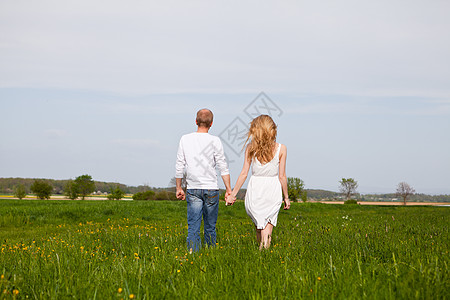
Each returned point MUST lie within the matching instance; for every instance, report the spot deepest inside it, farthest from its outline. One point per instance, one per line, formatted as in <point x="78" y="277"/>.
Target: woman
<point x="268" y="182"/>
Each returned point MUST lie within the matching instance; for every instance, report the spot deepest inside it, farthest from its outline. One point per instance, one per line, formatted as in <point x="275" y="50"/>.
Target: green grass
<point x="90" y="249"/>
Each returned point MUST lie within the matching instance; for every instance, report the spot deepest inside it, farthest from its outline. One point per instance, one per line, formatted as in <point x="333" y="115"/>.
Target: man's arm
<point x="222" y="164"/>
<point x="226" y="181"/>
<point x="179" y="170"/>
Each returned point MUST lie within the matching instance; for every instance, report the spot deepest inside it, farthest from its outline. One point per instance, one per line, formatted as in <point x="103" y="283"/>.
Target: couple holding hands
<point x="199" y="153"/>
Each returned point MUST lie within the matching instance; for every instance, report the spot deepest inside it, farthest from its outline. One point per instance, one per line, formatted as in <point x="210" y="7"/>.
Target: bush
<point x="165" y="195"/>
<point x="148" y="195"/>
<point x="19" y="191"/>
<point x="116" y="194"/>
<point x="304" y="196"/>
<point x="172" y="196"/>
<point x="351" y="201"/>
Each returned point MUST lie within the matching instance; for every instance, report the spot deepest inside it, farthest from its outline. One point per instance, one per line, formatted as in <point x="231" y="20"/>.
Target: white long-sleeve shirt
<point x="199" y="154"/>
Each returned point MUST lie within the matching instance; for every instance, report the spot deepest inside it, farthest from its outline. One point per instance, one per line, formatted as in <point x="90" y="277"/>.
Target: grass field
<point x="130" y="249"/>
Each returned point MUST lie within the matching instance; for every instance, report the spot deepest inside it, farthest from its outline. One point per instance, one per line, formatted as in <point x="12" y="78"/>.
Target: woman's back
<point x="269" y="169"/>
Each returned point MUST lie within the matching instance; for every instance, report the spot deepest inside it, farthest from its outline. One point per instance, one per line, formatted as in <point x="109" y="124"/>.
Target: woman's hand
<point x="287" y="204"/>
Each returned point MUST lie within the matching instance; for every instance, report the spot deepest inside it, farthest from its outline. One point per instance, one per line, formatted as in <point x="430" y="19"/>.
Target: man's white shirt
<point x="198" y="155"/>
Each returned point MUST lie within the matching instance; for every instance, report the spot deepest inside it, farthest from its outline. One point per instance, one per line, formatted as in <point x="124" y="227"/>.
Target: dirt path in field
<point x="390" y="203"/>
<point x="100" y="198"/>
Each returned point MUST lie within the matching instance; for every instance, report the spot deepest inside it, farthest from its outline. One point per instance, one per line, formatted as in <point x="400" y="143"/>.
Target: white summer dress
<point x="264" y="195"/>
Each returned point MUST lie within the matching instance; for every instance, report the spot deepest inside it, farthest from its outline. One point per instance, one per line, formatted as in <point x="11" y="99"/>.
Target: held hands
<point x="287" y="204"/>
<point x="229" y="198"/>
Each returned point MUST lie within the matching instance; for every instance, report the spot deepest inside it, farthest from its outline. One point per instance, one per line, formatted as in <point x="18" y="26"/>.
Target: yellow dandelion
<point x="318" y="278"/>
<point x="2" y="277"/>
<point x="156" y="248"/>
<point x="119" y="290"/>
<point x="178" y="271"/>
<point x="131" y="296"/>
<point x="15" y="292"/>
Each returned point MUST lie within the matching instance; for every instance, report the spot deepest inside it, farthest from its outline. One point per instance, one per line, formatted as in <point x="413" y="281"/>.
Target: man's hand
<point x="229" y="198"/>
<point x="180" y="194"/>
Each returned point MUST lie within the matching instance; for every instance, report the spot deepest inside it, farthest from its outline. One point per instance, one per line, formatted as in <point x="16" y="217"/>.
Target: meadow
<point x="136" y="250"/>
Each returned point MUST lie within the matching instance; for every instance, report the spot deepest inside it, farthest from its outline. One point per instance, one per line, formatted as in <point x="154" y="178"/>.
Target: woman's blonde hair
<point x="262" y="135"/>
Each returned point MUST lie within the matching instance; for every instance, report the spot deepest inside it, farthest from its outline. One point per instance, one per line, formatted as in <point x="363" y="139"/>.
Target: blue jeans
<point x="201" y="203"/>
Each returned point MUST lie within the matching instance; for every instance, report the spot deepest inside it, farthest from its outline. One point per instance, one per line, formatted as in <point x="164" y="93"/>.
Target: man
<point x="199" y="153"/>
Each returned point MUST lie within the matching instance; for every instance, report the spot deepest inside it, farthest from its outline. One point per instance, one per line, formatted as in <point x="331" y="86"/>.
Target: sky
<point x="360" y="89"/>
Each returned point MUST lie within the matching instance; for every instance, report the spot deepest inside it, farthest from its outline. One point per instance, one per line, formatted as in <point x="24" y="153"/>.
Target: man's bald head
<point x="204" y="118"/>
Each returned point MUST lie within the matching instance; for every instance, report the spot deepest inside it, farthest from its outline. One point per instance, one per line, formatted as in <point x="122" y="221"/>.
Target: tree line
<point x="81" y="187"/>
<point x="84" y="185"/>
<point x="7" y="185"/>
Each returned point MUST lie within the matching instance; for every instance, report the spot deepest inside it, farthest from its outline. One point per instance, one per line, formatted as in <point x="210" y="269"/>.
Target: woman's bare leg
<point x="258" y="235"/>
<point x="266" y="236"/>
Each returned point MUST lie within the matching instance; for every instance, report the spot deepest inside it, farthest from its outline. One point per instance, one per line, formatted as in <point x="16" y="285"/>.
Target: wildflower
<point x="119" y="290"/>
<point x="318" y="278"/>
<point x="178" y="271"/>
<point x="131" y="296"/>
<point x="2" y="277"/>
<point x="15" y="292"/>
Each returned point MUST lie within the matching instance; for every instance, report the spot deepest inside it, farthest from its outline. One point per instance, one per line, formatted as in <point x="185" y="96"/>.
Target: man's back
<point x="200" y="153"/>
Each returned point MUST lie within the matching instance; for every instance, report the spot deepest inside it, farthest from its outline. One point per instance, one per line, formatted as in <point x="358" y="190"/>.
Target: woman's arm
<point x="282" y="176"/>
<point x="243" y="176"/>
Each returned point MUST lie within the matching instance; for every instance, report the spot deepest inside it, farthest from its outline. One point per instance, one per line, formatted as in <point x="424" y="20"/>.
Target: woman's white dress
<point x="264" y="195"/>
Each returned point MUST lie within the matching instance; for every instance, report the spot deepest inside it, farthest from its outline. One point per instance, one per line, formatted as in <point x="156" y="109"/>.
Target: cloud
<point x="55" y="133"/>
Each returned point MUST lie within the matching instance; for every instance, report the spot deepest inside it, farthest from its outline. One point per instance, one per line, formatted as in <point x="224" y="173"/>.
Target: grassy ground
<point x="130" y="249"/>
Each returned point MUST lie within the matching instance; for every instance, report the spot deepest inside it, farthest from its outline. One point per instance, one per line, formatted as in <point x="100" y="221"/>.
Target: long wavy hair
<point x="262" y="135"/>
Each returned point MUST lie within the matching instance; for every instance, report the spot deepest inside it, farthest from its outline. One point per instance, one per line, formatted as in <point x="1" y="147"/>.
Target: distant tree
<point x="71" y="190"/>
<point x="85" y="185"/>
<point x="295" y="188"/>
<point x="19" y="191"/>
<point x="42" y="189"/>
<point x="141" y="188"/>
<point x="348" y="187"/>
<point x="116" y="194"/>
<point x="404" y="190"/>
